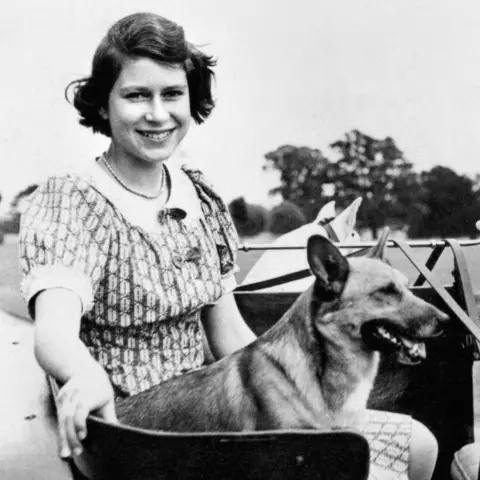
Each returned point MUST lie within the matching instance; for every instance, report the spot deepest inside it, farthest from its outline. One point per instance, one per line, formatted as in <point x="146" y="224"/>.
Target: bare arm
<point x="58" y="348"/>
<point x="61" y="353"/>
<point x="225" y="328"/>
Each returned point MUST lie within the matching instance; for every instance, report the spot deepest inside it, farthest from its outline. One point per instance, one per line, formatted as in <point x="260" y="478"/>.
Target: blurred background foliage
<point x="434" y="203"/>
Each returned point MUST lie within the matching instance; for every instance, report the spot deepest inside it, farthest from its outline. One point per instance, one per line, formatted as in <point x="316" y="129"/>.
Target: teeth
<point x="413" y="350"/>
<point x="387" y="335"/>
<point x="156" y="136"/>
<point x="418" y="350"/>
<point x="405" y="346"/>
<point x="408" y="343"/>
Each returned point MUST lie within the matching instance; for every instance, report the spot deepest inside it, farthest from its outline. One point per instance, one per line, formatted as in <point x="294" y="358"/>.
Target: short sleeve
<point x="221" y="224"/>
<point x="63" y="239"/>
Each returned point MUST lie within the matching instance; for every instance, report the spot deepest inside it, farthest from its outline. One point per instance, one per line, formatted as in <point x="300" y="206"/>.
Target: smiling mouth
<point x="156" y="136"/>
<point x="387" y="338"/>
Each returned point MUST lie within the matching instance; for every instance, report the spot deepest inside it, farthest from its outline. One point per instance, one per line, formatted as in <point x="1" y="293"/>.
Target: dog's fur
<point x="313" y="369"/>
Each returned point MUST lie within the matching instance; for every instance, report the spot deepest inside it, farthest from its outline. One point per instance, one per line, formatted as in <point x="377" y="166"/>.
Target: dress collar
<point x="183" y="195"/>
<point x="145" y="213"/>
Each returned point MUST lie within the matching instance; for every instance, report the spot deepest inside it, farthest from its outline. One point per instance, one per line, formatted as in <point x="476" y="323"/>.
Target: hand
<point x="86" y="391"/>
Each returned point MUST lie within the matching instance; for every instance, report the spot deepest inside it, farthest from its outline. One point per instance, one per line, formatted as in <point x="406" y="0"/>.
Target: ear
<point x="344" y="223"/>
<point x="103" y="113"/>
<point x="379" y="250"/>
<point x="327" y="211"/>
<point x="328" y="265"/>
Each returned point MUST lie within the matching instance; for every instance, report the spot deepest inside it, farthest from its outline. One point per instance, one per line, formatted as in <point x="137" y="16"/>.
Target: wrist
<point x="63" y="360"/>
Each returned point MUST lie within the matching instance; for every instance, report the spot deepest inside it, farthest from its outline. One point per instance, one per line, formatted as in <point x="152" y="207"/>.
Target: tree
<point x="286" y="217"/>
<point x="10" y="223"/>
<point x="303" y="175"/>
<point x="452" y="204"/>
<point x="249" y="219"/>
<point x="377" y="171"/>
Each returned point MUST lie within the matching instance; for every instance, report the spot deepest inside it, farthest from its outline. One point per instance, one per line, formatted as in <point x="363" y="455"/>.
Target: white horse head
<point x="274" y="263"/>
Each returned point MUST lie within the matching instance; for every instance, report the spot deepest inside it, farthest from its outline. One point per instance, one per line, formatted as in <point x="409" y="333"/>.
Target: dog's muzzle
<point x="388" y="338"/>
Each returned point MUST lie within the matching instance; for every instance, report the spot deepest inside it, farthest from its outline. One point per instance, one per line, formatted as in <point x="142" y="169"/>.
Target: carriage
<point x="439" y="392"/>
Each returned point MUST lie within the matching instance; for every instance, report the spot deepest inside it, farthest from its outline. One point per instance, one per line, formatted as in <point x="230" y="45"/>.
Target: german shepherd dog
<point x="315" y="367"/>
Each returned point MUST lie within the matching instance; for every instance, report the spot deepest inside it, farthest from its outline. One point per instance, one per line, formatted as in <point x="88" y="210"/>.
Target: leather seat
<point x="466" y="463"/>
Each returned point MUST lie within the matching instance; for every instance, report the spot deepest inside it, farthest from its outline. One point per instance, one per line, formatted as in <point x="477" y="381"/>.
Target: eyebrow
<point x="129" y="88"/>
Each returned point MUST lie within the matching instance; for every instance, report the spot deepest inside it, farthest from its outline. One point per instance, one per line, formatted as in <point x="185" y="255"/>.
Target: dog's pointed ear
<point x="379" y="250"/>
<point x="328" y="265"/>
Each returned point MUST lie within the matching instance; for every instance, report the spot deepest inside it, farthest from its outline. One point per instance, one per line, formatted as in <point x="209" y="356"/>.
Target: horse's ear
<point x="328" y="265"/>
<point x="379" y="250"/>
<point x="344" y="223"/>
<point x="327" y="211"/>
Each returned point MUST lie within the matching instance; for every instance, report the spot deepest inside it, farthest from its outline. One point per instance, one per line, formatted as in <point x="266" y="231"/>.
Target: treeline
<point x="10" y="222"/>
<point x="435" y="203"/>
<point x="251" y="220"/>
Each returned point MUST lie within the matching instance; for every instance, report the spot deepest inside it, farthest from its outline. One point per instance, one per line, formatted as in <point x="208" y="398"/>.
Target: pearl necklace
<point x="130" y="189"/>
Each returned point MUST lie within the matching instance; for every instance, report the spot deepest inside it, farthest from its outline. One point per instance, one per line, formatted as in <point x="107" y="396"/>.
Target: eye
<point x="389" y="289"/>
<point x="136" y="95"/>
<point x="173" y="94"/>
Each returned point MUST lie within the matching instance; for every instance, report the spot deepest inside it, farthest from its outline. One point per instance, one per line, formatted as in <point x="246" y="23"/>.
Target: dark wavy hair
<point x="134" y="36"/>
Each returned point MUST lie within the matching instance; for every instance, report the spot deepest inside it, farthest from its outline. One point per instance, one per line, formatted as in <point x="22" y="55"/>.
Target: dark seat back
<point x="120" y="452"/>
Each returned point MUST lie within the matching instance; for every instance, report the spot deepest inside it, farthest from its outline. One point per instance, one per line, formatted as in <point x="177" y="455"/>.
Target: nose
<point x="157" y="111"/>
<point x="441" y="316"/>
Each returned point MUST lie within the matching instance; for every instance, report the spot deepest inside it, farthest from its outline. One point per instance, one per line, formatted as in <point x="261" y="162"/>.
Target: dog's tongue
<point x="415" y="348"/>
<point x="419" y="350"/>
<point x="412" y="355"/>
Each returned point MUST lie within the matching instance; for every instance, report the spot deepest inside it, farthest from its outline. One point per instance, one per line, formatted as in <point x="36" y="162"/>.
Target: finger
<point x="64" y="409"/>
<point x="80" y="422"/>
<point x="74" y="442"/>
<point x="107" y="412"/>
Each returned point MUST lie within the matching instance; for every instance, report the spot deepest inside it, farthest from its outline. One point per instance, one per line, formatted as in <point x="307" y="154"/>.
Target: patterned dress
<point x="142" y="290"/>
<point x="143" y="277"/>
<point x="389" y="436"/>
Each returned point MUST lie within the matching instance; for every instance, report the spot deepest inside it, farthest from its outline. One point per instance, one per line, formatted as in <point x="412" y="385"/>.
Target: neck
<point x="142" y="176"/>
<point x="347" y="377"/>
<point x="327" y="372"/>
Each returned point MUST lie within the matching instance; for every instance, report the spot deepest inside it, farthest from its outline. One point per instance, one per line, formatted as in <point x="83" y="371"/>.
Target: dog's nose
<point x="442" y="317"/>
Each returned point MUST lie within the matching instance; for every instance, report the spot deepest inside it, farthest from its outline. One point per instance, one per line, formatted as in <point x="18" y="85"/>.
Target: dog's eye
<point x="389" y="289"/>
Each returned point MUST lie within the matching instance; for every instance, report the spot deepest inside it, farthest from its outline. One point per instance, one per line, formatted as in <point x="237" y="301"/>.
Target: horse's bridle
<point x="290" y="277"/>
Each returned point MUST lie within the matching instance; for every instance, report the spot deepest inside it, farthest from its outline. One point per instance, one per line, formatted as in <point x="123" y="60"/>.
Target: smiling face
<point x="148" y="111"/>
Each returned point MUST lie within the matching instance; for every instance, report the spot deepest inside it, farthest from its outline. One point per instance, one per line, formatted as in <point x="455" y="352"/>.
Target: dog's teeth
<point x="418" y="350"/>
<point x="409" y="343"/>
<point x="384" y="332"/>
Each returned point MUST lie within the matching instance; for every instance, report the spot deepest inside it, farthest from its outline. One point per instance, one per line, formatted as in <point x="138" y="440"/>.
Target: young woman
<point x="124" y="260"/>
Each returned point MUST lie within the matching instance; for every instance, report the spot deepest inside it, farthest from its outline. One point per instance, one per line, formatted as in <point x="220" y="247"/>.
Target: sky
<point x="300" y="72"/>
